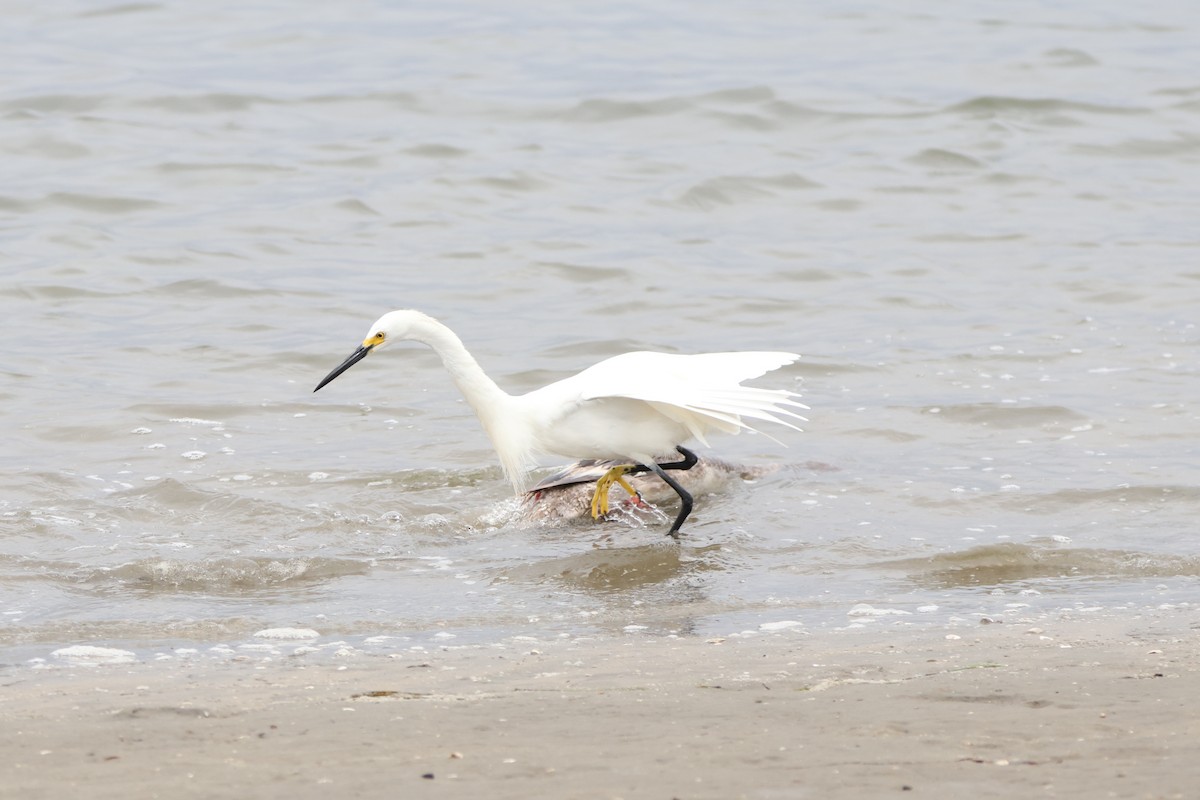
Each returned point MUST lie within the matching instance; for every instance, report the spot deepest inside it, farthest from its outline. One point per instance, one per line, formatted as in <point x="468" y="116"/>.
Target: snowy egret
<point x="631" y="409"/>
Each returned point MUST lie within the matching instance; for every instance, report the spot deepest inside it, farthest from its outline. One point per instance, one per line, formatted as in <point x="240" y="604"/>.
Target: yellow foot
<point x="624" y="484"/>
<point x="600" y="498"/>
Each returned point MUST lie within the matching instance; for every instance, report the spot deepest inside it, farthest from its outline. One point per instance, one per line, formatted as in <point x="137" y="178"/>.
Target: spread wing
<point x="702" y="392"/>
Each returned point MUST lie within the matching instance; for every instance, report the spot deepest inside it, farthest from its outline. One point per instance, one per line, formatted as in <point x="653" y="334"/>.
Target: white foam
<point x="90" y="654"/>
<point x="864" y="610"/>
<point x="779" y="626"/>
<point x="287" y="633"/>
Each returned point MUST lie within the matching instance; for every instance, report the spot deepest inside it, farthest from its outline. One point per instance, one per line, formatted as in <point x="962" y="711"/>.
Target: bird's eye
<point x="380" y="336"/>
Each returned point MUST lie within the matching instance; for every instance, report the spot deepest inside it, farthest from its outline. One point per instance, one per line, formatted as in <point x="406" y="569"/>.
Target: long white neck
<point x="478" y="389"/>
<point x="492" y="405"/>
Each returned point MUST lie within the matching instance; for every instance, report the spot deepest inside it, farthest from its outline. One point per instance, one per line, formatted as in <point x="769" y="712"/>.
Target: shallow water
<point x="977" y="224"/>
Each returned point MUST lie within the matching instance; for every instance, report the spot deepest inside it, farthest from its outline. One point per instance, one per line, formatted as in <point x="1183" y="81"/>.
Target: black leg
<point x="685" y="499"/>
<point x="690" y="460"/>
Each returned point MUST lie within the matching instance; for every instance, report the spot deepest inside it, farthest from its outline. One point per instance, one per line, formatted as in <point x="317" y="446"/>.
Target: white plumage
<point x="635" y="407"/>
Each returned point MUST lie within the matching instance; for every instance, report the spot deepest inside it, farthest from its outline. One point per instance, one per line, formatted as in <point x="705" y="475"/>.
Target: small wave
<point x="434" y="150"/>
<point x="51" y="147"/>
<point x="355" y="206"/>
<point x="390" y="99"/>
<point x="513" y="183"/>
<point x="205" y="103"/>
<point x="805" y="275"/>
<point x="206" y="287"/>
<point x="1006" y="416"/>
<point x="220" y="575"/>
<point x="734" y="189"/>
<point x="1181" y="145"/>
<point x="1075" y="499"/>
<point x="126" y="8"/>
<point x="52" y="292"/>
<point x="786" y="110"/>
<point x="185" y="414"/>
<point x="580" y="273"/>
<point x="101" y="204"/>
<point x="991" y="565"/>
<point x="741" y="95"/>
<point x="743" y="121"/>
<point x="55" y="103"/>
<point x="602" y="110"/>
<point x="945" y="160"/>
<point x="886" y="434"/>
<point x="996" y="105"/>
<point x="239" y="168"/>
<point x="1070" y="57"/>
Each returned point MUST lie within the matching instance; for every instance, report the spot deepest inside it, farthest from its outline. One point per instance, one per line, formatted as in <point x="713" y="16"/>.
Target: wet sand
<point x="1000" y="712"/>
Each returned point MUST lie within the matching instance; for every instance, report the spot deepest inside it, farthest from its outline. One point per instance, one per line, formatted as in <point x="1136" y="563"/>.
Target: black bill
<point x="355" y="357"/>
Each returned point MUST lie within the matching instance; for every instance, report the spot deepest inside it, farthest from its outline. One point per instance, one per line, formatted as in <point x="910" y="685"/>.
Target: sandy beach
<point x="1002" y="711"/>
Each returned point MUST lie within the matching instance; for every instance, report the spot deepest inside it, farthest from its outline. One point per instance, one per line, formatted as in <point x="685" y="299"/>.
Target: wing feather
<point x="702" y="392"/>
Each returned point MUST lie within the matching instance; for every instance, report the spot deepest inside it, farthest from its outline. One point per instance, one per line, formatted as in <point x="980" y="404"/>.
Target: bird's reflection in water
<point x="630" y="566"/>
<point x="663" y="586"/>
<point x="621" y="569"/>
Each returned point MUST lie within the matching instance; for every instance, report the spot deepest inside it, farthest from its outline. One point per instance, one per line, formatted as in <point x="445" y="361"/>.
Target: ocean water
<point x="978" y="224"/>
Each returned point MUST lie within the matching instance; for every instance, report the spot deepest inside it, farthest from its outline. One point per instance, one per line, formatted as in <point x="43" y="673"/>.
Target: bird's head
<point x="391" y="327"/>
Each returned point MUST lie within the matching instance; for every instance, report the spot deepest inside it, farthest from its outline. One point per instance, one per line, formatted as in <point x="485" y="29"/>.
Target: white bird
<point x="631" y="408"/>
